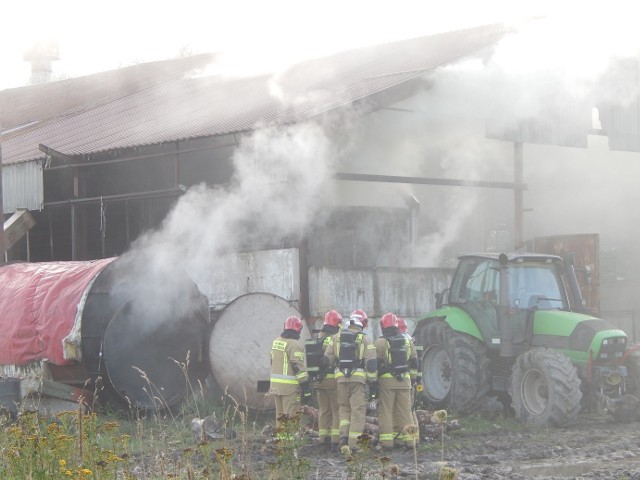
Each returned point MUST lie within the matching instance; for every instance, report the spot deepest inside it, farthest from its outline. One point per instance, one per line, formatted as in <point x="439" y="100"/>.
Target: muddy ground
<point x="593" y="448"/>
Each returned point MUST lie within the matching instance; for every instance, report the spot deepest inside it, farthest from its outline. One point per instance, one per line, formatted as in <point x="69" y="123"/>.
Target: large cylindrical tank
<point x="140" y="336"/>
<point x="240" y="345"/>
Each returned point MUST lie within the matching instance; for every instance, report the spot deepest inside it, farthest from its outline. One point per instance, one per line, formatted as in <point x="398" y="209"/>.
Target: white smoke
<point x="532" y="79"/>
<point x="282" y="179"/>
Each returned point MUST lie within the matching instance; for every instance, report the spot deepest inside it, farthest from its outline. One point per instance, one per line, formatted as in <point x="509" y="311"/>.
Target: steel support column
<point x="518" y="178"/>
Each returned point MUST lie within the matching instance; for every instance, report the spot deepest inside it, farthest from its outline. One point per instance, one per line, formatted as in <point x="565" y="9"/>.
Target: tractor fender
<point x="457" y="319"/>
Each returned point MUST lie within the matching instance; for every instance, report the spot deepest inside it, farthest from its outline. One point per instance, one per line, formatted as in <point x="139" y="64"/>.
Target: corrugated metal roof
<point x="22" y="106"/>
<point x="217" y="105"/>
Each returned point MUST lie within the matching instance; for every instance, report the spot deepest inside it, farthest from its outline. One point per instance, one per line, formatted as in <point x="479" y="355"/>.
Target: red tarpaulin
<point x="39" y="303"/>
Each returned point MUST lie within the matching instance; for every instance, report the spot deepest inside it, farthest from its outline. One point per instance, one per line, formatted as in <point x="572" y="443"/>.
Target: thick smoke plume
<point x="464" y="124"/>
<point x="282" y="176"/>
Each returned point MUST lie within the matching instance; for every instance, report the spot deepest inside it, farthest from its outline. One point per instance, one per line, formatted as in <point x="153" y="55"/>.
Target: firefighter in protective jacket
<point x="289" y="378"/>
<point x="416" y="382"/>
<point x="326" y="387"/>
<point x="354" y="357"/>
<point x="397" y="365"/>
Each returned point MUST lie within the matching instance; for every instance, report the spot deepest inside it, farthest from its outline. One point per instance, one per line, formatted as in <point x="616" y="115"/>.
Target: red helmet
<point x="388" y="320"/>
<point x="402" y="325"/>
<point x="359" y="318"/>
<point x="293" y="323"/>
<point x="333" y="318"/>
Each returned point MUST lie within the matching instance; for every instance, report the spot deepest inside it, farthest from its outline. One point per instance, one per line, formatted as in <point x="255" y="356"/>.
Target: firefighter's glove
<point x="373" y="390"/>
<point x="305" y="393"/>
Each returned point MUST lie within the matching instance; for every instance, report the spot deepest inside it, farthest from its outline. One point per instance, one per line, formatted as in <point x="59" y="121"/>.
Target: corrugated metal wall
<point x="22" y="186"/>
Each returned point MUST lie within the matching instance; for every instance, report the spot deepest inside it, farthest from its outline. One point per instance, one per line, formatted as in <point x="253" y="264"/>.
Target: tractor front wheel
<point x="545" y="388"/>
<point x="455" y="368"/>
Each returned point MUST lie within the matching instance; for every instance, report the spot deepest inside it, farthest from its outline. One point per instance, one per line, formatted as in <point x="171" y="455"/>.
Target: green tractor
<point x="514" y="327"/>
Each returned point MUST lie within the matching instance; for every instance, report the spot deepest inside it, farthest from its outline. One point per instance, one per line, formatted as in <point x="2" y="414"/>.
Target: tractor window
<point x="535" y="285"/>
<point x="476" y="281"/>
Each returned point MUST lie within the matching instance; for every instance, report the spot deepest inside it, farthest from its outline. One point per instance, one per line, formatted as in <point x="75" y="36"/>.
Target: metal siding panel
<point x="564" y="122"/>
<point x="620" y="108"/>
<point x="22" y="186"/>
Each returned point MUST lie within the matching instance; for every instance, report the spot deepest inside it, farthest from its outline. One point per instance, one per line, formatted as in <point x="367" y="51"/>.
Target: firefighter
<point x="289" y="378"/>
<point x="402" y="328"/>
<point x="354" y="357"/>
<point x="397" y="364"/>
<point x="326" y="387"/>
<point x="416" y="379"/>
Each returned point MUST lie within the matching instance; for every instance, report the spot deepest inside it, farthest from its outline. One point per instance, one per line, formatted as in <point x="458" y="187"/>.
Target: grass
<point x="159" y="444"/>
<point x="485" y="424"/>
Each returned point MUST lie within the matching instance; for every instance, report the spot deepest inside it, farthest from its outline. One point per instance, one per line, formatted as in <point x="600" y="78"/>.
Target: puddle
<point x="568" y="470"/>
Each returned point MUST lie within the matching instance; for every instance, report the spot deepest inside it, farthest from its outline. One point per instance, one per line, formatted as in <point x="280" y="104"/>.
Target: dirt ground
<point x="595" y="447"/>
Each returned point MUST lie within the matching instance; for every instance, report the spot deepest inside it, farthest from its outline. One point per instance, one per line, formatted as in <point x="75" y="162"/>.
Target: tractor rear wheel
<point x="454" y="368"/>
<point x="545" y="388"/>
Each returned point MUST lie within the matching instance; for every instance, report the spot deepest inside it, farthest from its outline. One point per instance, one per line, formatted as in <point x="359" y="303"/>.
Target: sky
<point x="251" y="36"/>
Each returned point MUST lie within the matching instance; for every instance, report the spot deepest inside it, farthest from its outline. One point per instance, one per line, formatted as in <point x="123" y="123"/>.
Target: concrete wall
<point x="270" y="271"/>
<point x="407" y="292"/>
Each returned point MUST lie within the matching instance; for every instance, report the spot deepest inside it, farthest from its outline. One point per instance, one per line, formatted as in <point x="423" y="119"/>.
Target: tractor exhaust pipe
<point x="569" y="266"/>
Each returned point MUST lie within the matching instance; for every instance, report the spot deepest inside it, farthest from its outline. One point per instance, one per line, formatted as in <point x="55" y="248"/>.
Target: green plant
<point x="289" y="440"/>
<point x="64" y="447"/>
<point x="360" y="461"/>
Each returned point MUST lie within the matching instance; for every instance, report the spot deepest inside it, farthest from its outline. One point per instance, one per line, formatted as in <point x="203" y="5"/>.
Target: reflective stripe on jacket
<point x="287" y="366"/>
<point x="328" y="382"/>
<point x="386" y="377"/>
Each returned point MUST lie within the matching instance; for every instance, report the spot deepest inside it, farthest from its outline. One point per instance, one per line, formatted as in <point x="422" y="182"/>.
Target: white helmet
<point x="359" y="318"/>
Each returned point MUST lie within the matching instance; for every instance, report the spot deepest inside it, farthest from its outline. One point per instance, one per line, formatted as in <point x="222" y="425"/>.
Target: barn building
<point x="345" y="181"/>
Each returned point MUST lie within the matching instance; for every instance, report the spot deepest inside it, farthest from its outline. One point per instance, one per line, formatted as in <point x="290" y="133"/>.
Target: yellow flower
<point x="448" y="473"/>
<point x="441" y="415"/>
<point x="62" y="462"/>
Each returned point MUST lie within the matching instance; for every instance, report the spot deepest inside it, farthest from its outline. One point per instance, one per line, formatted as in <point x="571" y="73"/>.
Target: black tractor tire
<point x="630" y="410"/>
<point x="545" y="389"/>
<point x="455" y="368"/>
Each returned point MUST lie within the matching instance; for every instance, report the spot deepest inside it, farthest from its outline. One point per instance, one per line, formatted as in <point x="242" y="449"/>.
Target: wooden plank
<point x="17" y="226"/>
